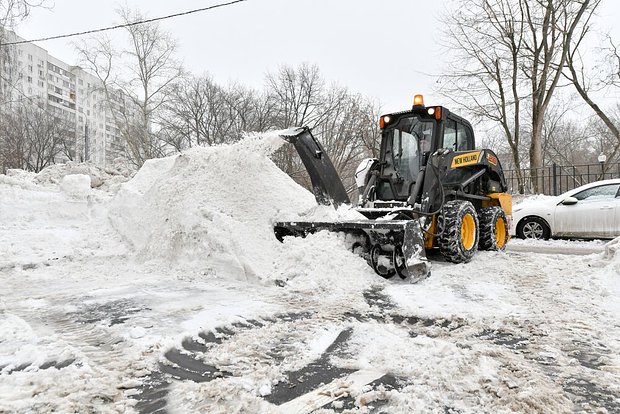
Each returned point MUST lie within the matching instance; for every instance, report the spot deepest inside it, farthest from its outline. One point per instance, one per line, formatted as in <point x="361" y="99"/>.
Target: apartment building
<point x="32" y="76"/>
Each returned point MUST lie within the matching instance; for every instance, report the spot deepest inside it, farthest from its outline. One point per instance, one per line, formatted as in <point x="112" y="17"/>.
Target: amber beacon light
<point x="418" y="100"/>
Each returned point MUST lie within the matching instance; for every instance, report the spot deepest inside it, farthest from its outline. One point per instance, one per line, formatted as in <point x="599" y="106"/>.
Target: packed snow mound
<point x="107" y="178"/>
<point x="529" y="200"/>
<point x="612" y="252"/>
<point x="47" y="223"/>
<point x="215" y="207"/>
<point x="76" y="186"/>
<point x="18" y="178"/>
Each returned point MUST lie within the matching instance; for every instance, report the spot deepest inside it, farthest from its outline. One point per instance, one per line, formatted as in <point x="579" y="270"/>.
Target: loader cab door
<point x="457" y="135"/>
<point x="404" y="146"/>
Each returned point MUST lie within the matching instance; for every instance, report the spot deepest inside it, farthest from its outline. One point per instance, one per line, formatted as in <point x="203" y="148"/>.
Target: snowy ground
<point x="170" y="294"/>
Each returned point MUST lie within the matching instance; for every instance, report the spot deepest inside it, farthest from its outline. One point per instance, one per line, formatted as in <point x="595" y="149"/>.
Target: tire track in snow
<point x="556" y="334"/>
<point x="196" y="360"/>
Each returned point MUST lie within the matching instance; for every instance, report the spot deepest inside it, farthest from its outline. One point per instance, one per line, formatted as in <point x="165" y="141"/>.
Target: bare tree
<point x="136" y="81"/>
<point x="297" y="94"/>
<point x="298" y="99"/>
<point x="551" y="26"/>
<point x="567" y="142"/>
<point x="488" y="78"/>
<point x="589" y="81"/>
<point x="250" y="110"/>
<point x="508" y="52"/>
<point x="34" y="139"/>
<point x="14" y="11"/>
<point x="350" y="133"/>
<point x="201" y="112"/>
<point x="346" y="124"/>
<point x="152" y="68"/>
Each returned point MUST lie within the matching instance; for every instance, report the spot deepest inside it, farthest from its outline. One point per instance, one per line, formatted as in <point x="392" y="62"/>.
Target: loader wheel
<point x="493" y="229"/>
<point x="459" y="233"/>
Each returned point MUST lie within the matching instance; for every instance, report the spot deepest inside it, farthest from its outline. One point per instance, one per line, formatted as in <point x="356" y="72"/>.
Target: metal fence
<point x="556" y="179"/>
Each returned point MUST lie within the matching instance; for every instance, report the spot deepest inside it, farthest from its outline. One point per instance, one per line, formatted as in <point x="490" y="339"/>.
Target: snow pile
<point x="530" y="200"/>
<point x="215" y="207"/>
<point x="76" y="186"/>
<point x="611" y="250"/>
<point x="46" y="223"/>
<point x="18" y="178"/>
<point x="107" y="178"/>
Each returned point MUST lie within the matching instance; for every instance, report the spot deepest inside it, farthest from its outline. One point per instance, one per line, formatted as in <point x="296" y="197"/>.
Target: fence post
<point x="555" y="179"/>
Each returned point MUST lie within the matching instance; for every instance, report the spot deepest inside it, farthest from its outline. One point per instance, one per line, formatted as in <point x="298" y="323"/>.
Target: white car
<point x="589" y="211"/>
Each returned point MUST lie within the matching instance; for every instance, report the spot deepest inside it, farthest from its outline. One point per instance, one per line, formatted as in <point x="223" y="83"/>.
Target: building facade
<point x="31" y="76"/>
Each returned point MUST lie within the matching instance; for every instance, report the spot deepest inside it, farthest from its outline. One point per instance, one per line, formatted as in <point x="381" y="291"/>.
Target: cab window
<point x="457" y="137"/>
<point x="464" y="139"/>
<point x="405" y="154"/>
<point x="449" y="135"/>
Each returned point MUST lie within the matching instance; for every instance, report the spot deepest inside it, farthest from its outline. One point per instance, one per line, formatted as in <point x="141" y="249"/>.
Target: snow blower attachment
<point x="429" y="189"/>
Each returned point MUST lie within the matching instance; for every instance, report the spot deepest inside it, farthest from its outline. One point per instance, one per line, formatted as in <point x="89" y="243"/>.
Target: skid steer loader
<point x="429" y="189"/>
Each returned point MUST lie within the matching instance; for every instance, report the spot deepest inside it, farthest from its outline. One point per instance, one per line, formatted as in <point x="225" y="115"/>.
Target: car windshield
<point x="598" y="193"/>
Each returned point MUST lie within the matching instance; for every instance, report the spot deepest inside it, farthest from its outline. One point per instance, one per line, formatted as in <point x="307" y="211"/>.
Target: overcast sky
<point x="386" y="49"/>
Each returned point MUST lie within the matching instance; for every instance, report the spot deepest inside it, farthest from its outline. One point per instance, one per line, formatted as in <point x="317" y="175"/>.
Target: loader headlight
<point x="384" y="120"/>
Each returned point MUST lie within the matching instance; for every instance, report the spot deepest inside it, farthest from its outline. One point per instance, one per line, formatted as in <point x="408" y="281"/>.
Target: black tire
<point x="493" y="228"/>
<point x="459" y="231"/>
<point x="533" y="228"/>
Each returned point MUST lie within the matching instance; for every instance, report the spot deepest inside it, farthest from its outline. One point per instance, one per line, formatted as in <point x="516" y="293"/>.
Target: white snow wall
<point x="215" y="207"/>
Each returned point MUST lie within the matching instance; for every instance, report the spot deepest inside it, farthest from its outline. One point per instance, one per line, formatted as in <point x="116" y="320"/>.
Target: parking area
<point x="515" y="331"/>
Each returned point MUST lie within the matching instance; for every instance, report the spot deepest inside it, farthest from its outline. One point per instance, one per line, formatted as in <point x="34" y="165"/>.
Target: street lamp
<point x="601" y="159"/>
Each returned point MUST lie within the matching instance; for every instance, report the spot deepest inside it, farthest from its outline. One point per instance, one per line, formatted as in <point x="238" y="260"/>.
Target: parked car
<point x="589" y="211"/>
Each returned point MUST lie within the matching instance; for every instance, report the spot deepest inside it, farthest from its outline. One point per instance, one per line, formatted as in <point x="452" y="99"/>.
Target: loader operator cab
<point x="407" y="140"/>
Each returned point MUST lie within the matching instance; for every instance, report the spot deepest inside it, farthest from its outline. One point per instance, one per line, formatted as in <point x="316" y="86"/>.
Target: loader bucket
<point x="390" y="246"/>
